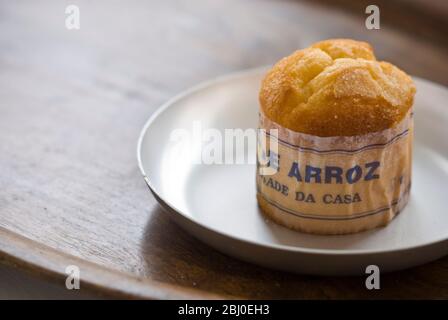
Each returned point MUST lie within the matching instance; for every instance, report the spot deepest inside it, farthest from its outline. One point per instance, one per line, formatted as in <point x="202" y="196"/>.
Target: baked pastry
<point x="338" y="130"/>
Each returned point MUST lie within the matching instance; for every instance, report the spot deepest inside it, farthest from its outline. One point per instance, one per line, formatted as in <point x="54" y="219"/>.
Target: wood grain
<point x="72" y="104"/>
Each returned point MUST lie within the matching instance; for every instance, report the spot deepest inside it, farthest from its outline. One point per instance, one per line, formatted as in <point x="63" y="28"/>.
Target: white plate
<point x="217" y="204"/>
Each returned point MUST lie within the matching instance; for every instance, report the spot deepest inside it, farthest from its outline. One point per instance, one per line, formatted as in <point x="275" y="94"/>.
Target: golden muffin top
<point x="336" y="87"/>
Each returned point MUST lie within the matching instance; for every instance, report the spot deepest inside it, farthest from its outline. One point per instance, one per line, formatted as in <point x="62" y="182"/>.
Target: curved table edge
<point x="49" y="263"/>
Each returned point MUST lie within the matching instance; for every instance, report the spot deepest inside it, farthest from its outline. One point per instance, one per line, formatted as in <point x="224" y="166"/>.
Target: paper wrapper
<point x="333" y="185"/>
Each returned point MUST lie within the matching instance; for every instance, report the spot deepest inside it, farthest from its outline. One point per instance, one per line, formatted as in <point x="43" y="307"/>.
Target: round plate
<point x="216" y="202"/>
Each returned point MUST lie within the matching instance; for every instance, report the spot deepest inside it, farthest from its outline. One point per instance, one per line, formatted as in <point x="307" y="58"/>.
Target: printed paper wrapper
<point x="333" y="185"/>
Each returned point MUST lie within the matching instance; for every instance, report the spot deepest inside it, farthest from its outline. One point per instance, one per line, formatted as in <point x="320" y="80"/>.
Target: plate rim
<point x="286" y="248"/>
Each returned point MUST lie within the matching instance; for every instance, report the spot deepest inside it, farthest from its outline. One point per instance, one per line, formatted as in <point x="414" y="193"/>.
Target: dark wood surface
<point x="72" y="104"/>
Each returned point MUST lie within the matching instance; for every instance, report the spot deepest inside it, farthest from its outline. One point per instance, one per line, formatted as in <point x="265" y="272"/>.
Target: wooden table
<point x="72" y="104"/>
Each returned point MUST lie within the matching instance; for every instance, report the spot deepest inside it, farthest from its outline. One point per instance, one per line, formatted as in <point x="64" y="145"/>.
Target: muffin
<point x="336" y="135"/>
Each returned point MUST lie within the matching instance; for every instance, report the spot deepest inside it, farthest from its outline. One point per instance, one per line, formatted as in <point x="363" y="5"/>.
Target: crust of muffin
<point x="336" y="88"/>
